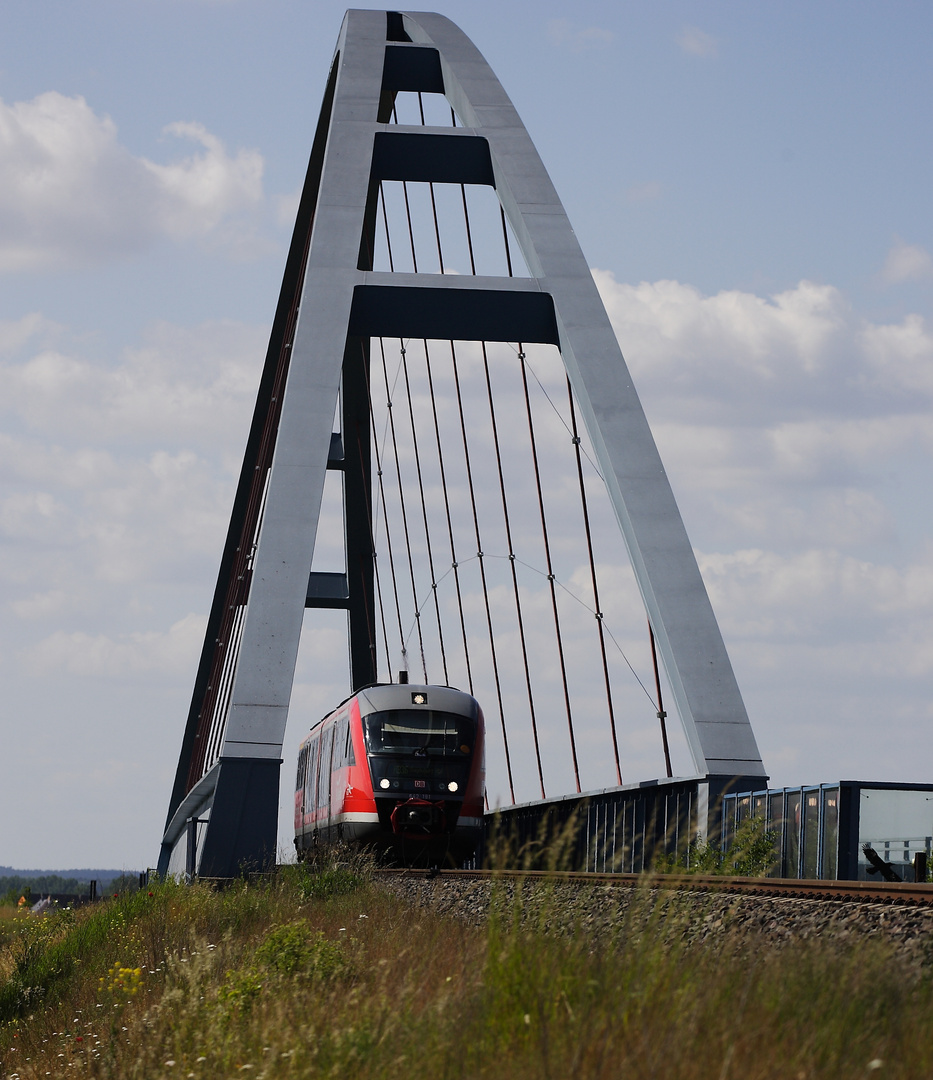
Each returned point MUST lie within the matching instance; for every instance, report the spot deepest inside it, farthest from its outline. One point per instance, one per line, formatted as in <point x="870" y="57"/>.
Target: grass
<point x="320" y="973"/>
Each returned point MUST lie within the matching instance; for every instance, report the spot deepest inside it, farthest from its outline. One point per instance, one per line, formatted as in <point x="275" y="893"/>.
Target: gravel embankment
<point x="601" y="909"/>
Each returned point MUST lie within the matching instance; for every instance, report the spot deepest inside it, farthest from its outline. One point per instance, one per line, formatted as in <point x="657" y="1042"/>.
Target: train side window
<point x="337" y="755"/>
<point x="349" y="756"/>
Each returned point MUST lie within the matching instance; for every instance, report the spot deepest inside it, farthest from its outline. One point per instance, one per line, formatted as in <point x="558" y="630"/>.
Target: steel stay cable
<point x="557" y="412"/>
<point x="577" y="600"/>
<point x="550" y="570"/>
<point x="599" y="611"/>
<point x="420" y="607"/>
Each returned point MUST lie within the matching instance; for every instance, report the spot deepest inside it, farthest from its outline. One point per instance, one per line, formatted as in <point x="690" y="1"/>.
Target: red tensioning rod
<point x="661" y="713"/>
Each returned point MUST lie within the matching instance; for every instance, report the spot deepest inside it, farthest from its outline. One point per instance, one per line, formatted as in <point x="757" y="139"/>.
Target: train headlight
<point x="453" y="786"/>
<point x="384" y="783"/>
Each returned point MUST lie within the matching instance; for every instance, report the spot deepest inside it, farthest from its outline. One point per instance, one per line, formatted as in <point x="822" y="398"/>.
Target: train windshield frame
<point x="419" y="732"/>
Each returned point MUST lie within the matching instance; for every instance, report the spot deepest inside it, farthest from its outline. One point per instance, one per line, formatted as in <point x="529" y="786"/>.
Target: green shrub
<point x="297" y="949"/>
<point x="751" y="854"/>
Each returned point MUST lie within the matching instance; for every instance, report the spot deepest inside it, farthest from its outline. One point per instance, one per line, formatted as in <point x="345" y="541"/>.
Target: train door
<point x="323" y="799"/>
<point x="300" y="789"/>
<point x="338" y="765"/>
<point x="314" y="770"/>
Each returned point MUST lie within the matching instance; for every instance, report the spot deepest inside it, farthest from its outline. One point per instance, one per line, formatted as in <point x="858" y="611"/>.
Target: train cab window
<point x="419" y="732"/>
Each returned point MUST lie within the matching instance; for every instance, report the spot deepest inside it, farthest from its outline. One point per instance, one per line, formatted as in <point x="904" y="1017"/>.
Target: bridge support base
<point x="244" y="817"/>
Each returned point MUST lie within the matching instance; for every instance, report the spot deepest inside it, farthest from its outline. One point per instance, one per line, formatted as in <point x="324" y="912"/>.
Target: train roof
<point x="383" y="696"/>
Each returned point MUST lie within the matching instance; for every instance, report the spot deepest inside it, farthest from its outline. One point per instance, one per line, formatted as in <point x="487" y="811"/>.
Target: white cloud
<point x="646" y="192"/>
<point x="697" y="42"/>
<point x="798" y="436"/>
<point x="578" y="39"/>
<point x="797" y="353"/>
<point x="906" y="262"/>
<point x="133" y="655"/>
<point x="178" y="383"/>
<point x="71" y="193"/>
<point x="15" y="333"/>
<point x="119" y="476"/>
<point x="286" y="208"/>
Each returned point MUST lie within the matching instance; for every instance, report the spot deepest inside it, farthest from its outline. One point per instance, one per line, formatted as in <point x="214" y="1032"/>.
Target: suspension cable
<point x="505" y="515"/>
<point x="550" y="569"/>
<point x="385" y="221"/>
<point x="424" y="515"/>
<point x="469" y="234"/>
<point x="373" y="644"/>
<point x="454" y="563"/>
<point x="385" y="512"/>
<point x="482" y="571"/>
<point x="411" y="231"/>
<point x="401" y="499"/>
<point x="599" y="611"/>
<point x="515" y="590"/>
<point x="505" y="240"/>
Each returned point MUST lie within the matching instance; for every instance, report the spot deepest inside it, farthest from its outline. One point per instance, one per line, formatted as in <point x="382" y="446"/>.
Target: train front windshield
<point x="419" y="732"/>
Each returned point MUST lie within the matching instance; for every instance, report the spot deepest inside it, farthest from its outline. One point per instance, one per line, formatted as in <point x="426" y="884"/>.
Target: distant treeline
<point x="48" y="883"/>
<point x="34" y="886"/>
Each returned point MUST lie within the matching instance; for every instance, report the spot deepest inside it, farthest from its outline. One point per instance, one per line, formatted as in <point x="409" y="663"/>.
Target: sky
<point x="750" y="185"/>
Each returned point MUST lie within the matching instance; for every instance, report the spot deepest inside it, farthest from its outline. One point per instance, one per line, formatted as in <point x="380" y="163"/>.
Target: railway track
<point x="865" y="892"/>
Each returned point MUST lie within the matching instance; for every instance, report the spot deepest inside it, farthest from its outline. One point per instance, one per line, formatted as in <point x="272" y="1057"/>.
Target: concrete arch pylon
<point x="229" y="768"/>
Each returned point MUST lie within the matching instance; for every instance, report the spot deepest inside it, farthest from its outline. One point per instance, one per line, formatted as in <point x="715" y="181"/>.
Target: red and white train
<point x="397" y="767"/>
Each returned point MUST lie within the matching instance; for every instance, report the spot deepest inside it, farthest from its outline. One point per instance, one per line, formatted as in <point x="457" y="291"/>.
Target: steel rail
<point x="774" y="888"/>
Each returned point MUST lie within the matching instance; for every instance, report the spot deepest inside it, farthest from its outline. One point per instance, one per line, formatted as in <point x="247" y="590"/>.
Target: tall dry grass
<point x="320" y="973"/>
